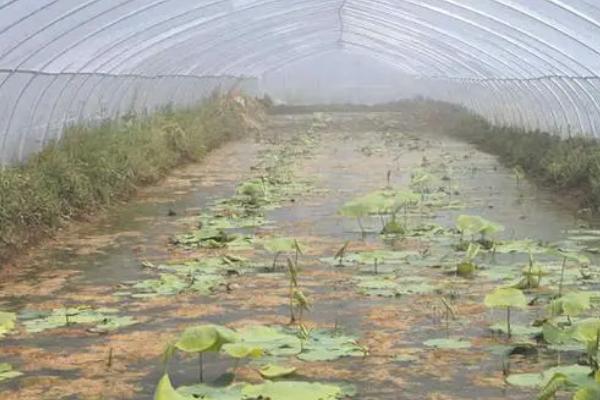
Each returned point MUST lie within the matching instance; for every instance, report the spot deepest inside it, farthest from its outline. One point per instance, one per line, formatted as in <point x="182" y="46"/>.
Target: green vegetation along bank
<point x="94" y="166"/>
<point x="570" y="166"/>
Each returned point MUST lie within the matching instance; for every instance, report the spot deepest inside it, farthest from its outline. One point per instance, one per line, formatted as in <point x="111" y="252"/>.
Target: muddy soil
<point x="88" y="265"/>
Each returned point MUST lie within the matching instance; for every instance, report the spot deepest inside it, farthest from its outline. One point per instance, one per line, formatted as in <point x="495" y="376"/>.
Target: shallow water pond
<point x="89" y="314"/>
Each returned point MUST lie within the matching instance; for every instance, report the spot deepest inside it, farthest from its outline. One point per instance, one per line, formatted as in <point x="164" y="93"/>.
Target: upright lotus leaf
<point x="204" y="338"/>
<point x="588" y="393"/>
<point x="571" y="304"/>
<point x="271" y="371"/>
<point x="165" y="390"/>
<point x="591" y="392"/>
<point x="473" y="224"/>
<point x="291" y="390"/>
<point x="242" y="350"/>
<point x="557" y="335"/>
<point x="354" y="209"/>
<point x="279" y="245"/>
<point x="405" y="198"/>
<point x="587" y="330"/>
<point x="7" y="322"/>
<point x="503" y="297"/>
<point x="508" y="298"/>
<point x="556" y="383"/>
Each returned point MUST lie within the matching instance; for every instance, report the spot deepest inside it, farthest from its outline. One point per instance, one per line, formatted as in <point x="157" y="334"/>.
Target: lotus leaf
<point x="448" y="343"/>
<point x="241" y="350"/>
<point x="291" y="390"/>
<point x="7" y="372"/>
<point x="203" y="338"/>
<point x="7" y="322"/>
<point x="506" y="297"/>
<point x="271" y="371"/>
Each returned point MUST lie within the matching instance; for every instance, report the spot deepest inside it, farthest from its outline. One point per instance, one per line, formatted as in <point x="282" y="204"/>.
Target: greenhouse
<point x="299" y="200"/>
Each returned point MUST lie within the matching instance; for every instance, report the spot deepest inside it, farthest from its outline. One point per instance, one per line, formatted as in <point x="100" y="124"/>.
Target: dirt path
<point x="126" y="297"/>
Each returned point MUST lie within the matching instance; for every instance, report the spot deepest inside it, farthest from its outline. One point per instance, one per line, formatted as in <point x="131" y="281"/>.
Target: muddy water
<point x="86" y="264"/>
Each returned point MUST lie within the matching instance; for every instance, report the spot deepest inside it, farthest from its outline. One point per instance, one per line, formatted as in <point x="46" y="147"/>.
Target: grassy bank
<point x="570" y="166"/>
<point x="92" y="167"/>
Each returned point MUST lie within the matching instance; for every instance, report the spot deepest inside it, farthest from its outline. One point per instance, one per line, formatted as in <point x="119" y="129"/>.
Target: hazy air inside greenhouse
<point x="299" y="199"/>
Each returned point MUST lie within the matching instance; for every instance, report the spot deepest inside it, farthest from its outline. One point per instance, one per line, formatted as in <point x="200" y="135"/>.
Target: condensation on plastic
<point x="531" y="64"/>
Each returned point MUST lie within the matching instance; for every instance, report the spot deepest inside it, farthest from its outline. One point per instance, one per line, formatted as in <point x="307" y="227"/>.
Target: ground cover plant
<point x="94" y="166"/>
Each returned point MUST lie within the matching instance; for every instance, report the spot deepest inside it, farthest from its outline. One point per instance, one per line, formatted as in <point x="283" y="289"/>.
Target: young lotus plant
<point x="280" y="245"/>
<point x="588" y="331"/>
<point x="532" y="275"/>
<point x="507" y="298"/>
<point x="474" y="225"/>
<point x="566" y="257"/>
<point x="165" y="390"/>
<point x="240" y="350"/>
<point x="467" y="266"/>
<point x="341" y="253"/>
<point x="204" y="338"/>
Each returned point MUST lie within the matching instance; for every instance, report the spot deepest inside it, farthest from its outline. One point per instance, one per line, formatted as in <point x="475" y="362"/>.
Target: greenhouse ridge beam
<point x="526" y="63"/>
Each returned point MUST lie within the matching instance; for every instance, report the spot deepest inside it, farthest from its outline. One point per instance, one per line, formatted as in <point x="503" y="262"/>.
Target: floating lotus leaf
<point x="444" y="343"/>
<point x="206" y="392"/>
<point x="517" y="330"/>
<point x="576" y="374"/>
<point x="506" y="297"/>
<point x="198" y="339"/>
<point x="7" y="322"/>
<point x="241" y="350"/>
<point x="519" y="246"/>
<point x="7" y="372"/>
<point x="291" y="390"/>
<point x="326" y="345"/>
<point x="390" y="286"/>
<point x="273" y="340"/>
<point x="271" y="371"/>
<point x="104" y="319"/>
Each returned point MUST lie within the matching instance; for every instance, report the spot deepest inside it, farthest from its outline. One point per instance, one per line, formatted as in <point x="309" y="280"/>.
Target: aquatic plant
<point x="467" y="266"/>
<point x="202" y="339"/>
<point x="507" y="298"/>
<point x="279" y="245"/>
<point x="473" y="225"/>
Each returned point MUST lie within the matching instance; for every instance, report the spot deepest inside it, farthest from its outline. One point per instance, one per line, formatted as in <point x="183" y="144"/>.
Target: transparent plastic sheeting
<point x="528" y="62"/>
<point x="46" y="103"/>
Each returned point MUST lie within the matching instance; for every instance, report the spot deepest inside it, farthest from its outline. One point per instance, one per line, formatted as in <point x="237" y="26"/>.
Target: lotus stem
<point x="508" y="322"/>
<point x="201" y="365"/>
<point x="275" y="260"/>
<point x="562" y="277"/>
<point x="362" y="228"/>
<point x="292" y="316"/>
